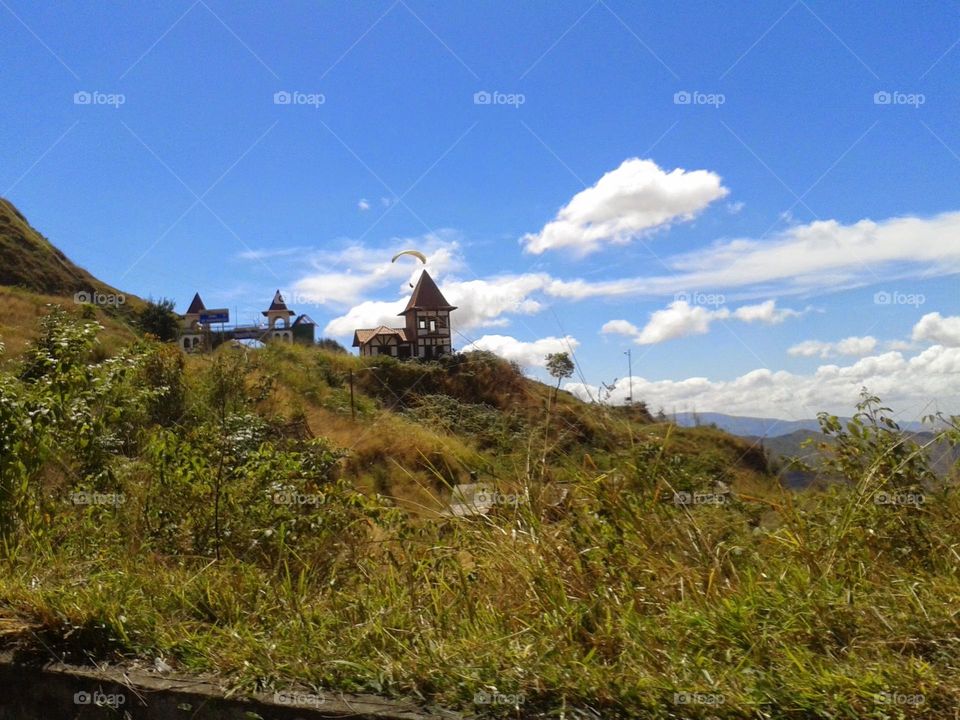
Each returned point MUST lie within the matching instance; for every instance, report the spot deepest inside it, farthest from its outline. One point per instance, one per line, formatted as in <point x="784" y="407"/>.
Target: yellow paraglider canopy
<point x="416" y="253"/>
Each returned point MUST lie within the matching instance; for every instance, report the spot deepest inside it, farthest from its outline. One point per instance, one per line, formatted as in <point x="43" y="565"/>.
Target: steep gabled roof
<point x="278" y="304"/>
<point x="196" y="306"/>
<point x="365" y="335"/>
<point x="427" y="296"/>
<point x="303" y="320"/>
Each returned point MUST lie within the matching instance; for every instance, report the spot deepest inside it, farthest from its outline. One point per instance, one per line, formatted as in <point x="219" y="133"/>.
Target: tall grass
<point x="641" y="586"/>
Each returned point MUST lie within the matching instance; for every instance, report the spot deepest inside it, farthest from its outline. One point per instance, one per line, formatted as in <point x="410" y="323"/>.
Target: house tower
<point x="428" y="320"/>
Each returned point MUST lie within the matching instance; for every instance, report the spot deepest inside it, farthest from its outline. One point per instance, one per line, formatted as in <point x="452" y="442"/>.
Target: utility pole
<point x="353" y="410"/>
<point x="630" y="370"/>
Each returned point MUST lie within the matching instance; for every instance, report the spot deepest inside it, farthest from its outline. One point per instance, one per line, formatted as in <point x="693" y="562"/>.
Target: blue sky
<point x="759" y="200"/>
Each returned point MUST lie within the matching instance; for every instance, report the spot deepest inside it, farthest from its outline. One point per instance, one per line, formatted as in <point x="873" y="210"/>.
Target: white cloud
<point x="914" y="385"/>
<point x="620" y="327"/>
<point x="681" y="319"/>
<point x="933" y="327"/>
<point x="857" y="346"/>
<point x="899" y="345"/>
<point x="823" y="255"/>
<point x="528" y="354"/>
<point x="484" y="302"/>
<point x="368" y="314"/>
<point x="480" y="303"/>
<point x="635" y="199"/>
<point x="765" y="312"/>
<point x="363" y="205"/>
<point x="851" y="346"/>
<point x="346" y="275"/>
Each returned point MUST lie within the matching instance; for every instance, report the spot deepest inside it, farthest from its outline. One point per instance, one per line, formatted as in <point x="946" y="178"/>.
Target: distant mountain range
<point x="784" y="439"/>
<point x="764" y="427"/>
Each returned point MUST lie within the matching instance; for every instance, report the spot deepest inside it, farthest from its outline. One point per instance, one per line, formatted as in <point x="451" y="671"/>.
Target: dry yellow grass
<point x="21" y="311"/>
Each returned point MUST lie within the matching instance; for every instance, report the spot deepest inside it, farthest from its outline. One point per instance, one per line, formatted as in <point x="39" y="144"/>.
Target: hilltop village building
<point x="426" y="334"/>
<point x="203" y="329"/>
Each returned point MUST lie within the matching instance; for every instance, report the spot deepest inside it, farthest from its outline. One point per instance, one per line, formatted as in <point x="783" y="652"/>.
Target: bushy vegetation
<point x="209" y="511"/>
<point x="158" y="319"/>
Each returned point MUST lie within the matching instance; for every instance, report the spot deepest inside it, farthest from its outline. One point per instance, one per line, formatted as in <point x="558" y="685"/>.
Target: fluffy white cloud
<point x="620" y="327"/>
<point x="933" y="327"/>
<point x="681" y="319"/>
<point x="636" y="198"/>
<point x="368" y="314"/>
<point x="363" y="205"/>
<point x="528" y="354"/>
<point x="344" y="276"/>
<point x="851" y="346"/>
<point x="480" y="303"/>
<point x="766" y="312"/>
<point x="804" y="258"/>
<point x="485" y="302"/>
<point x="915" y="386"/>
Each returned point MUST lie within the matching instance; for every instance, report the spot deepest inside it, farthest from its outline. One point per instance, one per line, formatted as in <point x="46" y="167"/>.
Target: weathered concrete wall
<point x="59" y="692"/>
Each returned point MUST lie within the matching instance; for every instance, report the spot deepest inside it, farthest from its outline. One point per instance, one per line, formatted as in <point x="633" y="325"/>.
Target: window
<point x="433" y="326"/>
<point x="423" y="324"/>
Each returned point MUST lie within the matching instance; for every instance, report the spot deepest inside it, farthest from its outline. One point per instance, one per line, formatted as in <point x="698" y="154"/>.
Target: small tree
<point x="158" y="318"/>
<point x="560" y="366"/>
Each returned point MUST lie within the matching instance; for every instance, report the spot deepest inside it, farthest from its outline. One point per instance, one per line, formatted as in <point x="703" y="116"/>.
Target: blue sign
<point x="215" y="316"/>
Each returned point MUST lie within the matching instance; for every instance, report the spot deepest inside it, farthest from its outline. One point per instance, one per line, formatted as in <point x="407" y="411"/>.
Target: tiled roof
<point x="427" y="296"/>
<point x="365" y="335"/>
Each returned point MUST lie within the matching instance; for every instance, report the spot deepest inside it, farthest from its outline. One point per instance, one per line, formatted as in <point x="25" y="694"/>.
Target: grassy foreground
<point x="148" y="510"/>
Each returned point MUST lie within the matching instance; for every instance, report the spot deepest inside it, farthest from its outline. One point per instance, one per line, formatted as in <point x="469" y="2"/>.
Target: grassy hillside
<point x="230" y="514"/>
<point x="34" y="275"/>
<point x="31" y="262"/>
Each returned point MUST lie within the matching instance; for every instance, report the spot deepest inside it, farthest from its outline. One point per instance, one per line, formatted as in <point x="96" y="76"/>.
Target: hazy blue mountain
<point x="762" y="427"/>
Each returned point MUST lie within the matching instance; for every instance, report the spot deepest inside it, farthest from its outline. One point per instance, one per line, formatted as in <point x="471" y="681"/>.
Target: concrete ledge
<point x="63" y="692"/>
